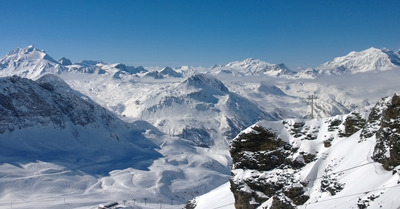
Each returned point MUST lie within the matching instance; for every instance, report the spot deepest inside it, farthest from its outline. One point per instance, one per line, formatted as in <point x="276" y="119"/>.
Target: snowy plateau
<point x="241" y="134"/>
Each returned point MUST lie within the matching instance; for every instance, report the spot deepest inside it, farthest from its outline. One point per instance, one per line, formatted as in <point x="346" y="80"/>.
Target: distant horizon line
<point x="296" y="68"/>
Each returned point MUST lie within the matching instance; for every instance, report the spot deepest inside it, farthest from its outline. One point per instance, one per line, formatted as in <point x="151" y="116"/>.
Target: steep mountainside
<point x="49" y="121"/>
<point x="318" y="163"/>
<point x="51" y="133"/>
<point x="200" y="109"/>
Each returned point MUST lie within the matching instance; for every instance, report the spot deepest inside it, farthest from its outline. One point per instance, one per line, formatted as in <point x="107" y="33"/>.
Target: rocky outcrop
<point x="384" y="123"/>
<point x="260" y="163"/>
<point x="269" y="158"/>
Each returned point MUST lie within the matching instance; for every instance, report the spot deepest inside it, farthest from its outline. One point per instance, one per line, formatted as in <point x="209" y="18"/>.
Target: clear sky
<point x="199" y="33"/>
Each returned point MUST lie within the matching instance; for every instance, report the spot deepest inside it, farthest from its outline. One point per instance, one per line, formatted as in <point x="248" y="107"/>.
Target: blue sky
<point x="207" y="32"/>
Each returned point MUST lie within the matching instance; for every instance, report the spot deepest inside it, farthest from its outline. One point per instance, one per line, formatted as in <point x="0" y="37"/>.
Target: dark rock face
<point x="353" y="123"/>
<point x="199" y="136"/>
<point x="386" y="115"/>
<point x="170" y="72"/>
<point x="65" y="61"/>
<point x="266" y="168"/>
<point x="260" y="151"/>
<point x="25" y="103"/>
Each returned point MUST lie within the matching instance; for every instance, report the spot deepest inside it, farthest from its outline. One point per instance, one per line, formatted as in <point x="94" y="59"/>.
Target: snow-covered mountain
<point x="252" y="67"/>
<point x="33" y="63"/>
<point x="355" y="62"/>
<point x="51" y="133"/>
<point x="29" y="62"/>
<point x="201" y="109"/>
<point x="46" y="120"/>
<point x="188" y="113"/>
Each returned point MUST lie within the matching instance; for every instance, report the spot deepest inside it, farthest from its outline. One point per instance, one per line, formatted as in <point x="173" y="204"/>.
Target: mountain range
<point x="32" y="63"/>
<point x="163" y="131"/>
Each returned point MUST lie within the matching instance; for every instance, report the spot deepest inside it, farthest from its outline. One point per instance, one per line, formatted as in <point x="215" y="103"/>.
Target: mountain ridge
<point x="33" y="62"/>
<point x="70" y="124"/>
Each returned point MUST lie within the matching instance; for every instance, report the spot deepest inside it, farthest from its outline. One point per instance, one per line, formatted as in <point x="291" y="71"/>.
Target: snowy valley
<point x="75" y="135"/>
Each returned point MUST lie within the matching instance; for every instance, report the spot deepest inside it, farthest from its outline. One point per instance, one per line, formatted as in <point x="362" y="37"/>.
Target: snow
<point x="371" y="59"/>
<point x="347" y="161"/>
<point x="222" y="101"/>
<point x="220" y="197"/>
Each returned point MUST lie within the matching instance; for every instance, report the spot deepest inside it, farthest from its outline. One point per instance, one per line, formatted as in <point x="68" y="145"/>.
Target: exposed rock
<point x="23" y="103"/>
<point x="269" y="157"/>
<point x="387" y="148"/>
<point x="259" y="149"/>
<point x="65" y="61"/>
<point x="353" y="123"/>
<point x="261" y="162"/>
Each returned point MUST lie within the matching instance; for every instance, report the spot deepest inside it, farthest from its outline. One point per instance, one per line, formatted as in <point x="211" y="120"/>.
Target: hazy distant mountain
<point x="252" y="67"/>
<point x="356" y="62"/>
<point x="33" y="63"/>
<point x="65" y="61"/>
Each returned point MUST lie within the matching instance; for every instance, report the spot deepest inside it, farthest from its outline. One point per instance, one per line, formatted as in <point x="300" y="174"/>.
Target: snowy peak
<point x="253" y="67"/>
<point x="29" y="62"/>
<point x="65" y="61"/>
<point x="30" y="53"/>
<point x="88" y="63"/>
<point x="367" y="60"/>
<point x="130" y="69"/>
<point x="170" y="72"/>
<point x="206" y="81"/>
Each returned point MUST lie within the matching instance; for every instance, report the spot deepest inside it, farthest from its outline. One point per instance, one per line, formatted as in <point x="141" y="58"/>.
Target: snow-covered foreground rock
<point x="344" y="161"/>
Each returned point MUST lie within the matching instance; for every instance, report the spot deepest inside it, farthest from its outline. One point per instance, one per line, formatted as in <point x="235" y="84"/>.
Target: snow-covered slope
<point x="355" y="62"/>
<point x="29" y="62"/>
<point x="48" y="121"/>
<point x="198" y="109"/>
<point x="252" y="67"/>
<point x="318" y="163"/>
<point x="51" y="133"/>
<point x="33" y="63"/>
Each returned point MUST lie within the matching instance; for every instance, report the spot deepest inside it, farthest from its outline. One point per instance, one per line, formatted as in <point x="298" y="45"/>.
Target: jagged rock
<point x="387" y="148"/>
<point x="353" y="123"/>
<point x="262" y="156"/>
<point x="155" y="75"/>
<point x="278" y="203"/>
<point x="259" y="149"/>
<point x="269" y="157"/>
<point x="191" y="204"/>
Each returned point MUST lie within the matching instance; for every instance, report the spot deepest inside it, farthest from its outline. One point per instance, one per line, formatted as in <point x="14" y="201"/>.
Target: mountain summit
<point x="29" y="62"/>
<point x="356" y="62"/>
<point x="253" y="67"/>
